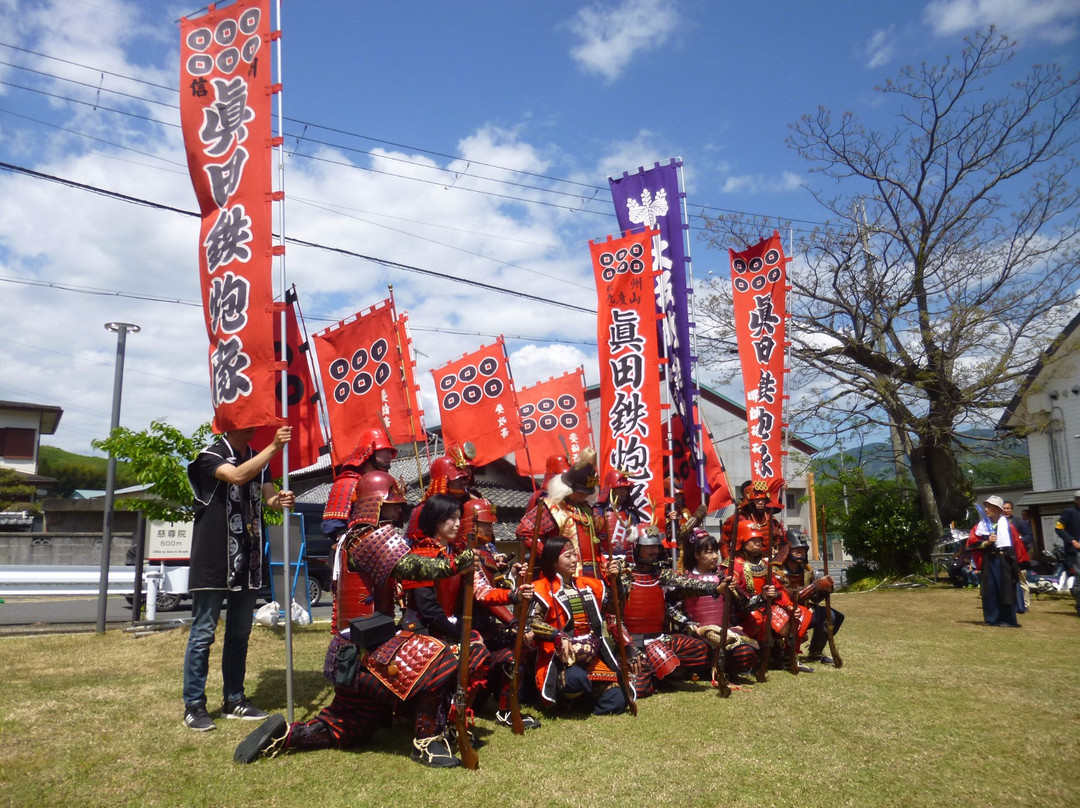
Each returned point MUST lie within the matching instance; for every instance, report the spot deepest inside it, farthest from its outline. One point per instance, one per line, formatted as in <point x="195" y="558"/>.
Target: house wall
<point x="20" y="419"/>
<point x="1054" y="450"/>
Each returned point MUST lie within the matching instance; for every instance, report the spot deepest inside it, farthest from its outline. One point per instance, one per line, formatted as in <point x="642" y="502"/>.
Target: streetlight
<point x="121" y="330"/>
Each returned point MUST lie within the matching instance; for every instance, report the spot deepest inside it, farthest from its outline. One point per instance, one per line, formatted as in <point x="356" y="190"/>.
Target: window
<point x="17" y="444"/>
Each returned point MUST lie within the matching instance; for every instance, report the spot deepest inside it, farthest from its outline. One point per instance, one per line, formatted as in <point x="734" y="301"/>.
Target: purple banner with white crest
<point x="653" y="197"/>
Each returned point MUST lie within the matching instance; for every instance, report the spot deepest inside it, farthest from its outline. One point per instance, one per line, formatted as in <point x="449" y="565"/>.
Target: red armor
<point x="645" y="609"/>
<point x="340" y="500"/>
<point x="363" y="580"/>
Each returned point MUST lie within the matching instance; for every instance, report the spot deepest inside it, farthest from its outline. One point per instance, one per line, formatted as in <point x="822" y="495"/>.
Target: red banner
<point x="478" y="404"/>
<point x="550" y="410"/>
<point x="307" y="435"/>
<point x="225" y="110"/>
<point x="631" y="433"/>
<point x="361" y="372"/>
<point x="715" y="474"/>
<point x="759" y="280"/>
<point x="410" y="427"/>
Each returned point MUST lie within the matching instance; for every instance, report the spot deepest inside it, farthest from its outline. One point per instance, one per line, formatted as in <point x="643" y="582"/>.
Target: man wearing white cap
<point x="1000" y="572"/>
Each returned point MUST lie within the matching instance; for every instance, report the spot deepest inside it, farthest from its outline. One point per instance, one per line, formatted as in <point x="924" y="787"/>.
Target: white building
<point x="1047" y="405"/>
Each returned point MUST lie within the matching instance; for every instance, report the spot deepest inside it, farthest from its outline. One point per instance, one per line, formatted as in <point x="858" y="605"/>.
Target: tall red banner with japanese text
<point x="362" y="376"/>
<point x="759" y="281"/>
<point x="307" y="441"/>
<point x="631" y="431"/>
<point x="225" y="109"/>
<point x="478" y="403"/>
<point x="549" y="411"/>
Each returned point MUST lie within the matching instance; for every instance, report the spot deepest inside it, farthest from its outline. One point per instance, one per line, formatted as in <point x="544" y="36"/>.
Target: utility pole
<point x="121" y="330"/>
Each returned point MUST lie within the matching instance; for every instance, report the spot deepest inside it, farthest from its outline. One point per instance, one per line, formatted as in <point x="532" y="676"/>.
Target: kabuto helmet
<point x="374" y="489"/>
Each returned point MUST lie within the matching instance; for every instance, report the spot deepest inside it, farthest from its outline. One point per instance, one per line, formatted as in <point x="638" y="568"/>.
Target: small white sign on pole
<point x="168" y="541"/>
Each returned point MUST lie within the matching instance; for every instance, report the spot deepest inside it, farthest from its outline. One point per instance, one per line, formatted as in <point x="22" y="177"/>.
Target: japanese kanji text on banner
<point x="478" y="404"/>
<point x="631" y="435"/>
<point x="225" y="109"/>
<point x="759" y="280"/>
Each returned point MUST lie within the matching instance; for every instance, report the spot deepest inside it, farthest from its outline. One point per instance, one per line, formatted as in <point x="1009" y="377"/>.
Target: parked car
<point x="320" y="565"/>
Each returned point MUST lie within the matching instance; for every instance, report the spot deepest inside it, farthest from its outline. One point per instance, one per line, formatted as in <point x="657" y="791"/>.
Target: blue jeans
<point x="205" y="611"/>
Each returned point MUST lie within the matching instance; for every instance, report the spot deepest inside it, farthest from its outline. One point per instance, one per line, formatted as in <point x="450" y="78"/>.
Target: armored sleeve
<point x="413" y="567"/>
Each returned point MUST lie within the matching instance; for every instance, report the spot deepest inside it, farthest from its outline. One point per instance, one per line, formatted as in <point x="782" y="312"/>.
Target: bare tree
<point x="948" y="264"/>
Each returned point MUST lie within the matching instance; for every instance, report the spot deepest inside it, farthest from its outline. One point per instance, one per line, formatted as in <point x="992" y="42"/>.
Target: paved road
<point x="56" y="613"/>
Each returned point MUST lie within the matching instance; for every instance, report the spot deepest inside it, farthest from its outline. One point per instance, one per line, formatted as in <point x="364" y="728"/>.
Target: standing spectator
<point x="230" y="482"/>
<point x="993" y="536"/>
<point x="1068" y="530"/>
<point x="1023" y="532"/>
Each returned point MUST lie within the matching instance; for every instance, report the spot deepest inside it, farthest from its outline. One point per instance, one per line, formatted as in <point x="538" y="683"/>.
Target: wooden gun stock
<point x="624" y="673"/>
<point x="521" y="612"/>
<point x="469" y="758"/>
<point x="720" y="667"/>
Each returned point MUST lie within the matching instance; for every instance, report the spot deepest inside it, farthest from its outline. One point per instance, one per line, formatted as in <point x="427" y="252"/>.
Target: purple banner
<point x="653" y="197"/>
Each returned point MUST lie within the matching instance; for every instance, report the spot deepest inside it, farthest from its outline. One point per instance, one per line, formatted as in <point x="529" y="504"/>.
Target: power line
<point x="308" y="124"/>
<point x="299" y="242"/>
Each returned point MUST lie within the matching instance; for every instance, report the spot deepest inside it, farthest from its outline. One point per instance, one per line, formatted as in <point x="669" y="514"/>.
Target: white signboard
<point x="168" y="540"/>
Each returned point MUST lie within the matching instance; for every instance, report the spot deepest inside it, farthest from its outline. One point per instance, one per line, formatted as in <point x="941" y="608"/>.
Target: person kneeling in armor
<point x="706" y="613"/>
<point x="648" y="613"/>
<point x="371" y="672"/>
<point x="574" y="655"/>
<point x="808" y="588"/>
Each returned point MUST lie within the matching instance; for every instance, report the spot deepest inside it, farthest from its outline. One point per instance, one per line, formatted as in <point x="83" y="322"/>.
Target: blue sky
<point x="474" y="139"/>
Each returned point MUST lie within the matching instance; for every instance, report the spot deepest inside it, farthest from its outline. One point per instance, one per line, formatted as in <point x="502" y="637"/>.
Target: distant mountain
<point x="876" y="459"/>
<point x="72" y="471"/>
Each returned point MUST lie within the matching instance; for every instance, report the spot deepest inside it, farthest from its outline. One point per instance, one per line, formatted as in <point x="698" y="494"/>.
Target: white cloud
<point x="759" y="183"/>
<point x="1048" y="20"/>
<point x="611" y="36"/>
<point x="535" y="363"/>
<point x="642" y="150"/>
<point x="880" y="48"/>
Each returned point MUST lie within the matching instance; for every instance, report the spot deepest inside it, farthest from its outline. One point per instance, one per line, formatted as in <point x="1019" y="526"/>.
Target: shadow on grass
<point x="310" y="690"/>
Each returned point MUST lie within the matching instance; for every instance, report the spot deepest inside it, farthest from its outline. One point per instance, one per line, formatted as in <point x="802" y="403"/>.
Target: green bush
<point x="884" y="527"/>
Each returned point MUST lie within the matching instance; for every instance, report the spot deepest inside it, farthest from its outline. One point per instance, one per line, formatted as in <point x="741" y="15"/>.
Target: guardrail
<point x="54" y="579"/>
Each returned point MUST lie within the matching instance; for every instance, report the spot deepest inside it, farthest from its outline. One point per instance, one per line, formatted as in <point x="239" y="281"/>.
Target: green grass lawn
<point x="930" y="708"/>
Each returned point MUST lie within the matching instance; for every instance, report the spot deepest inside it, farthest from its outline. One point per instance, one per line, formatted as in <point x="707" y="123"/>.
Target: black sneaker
<point x="198" y="719"/>
<point x="434" y="752"/>
<point x="507" y="720"/>
<point x="805" y="668"/>
<point x="243" y="709"/>
<point x="263" y="739"/>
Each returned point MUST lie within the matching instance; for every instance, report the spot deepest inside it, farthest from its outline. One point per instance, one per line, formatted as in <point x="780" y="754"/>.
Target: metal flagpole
<point x="697" y="434"/>
<point x="286" y="548"/>
<point x="665" y="391"/>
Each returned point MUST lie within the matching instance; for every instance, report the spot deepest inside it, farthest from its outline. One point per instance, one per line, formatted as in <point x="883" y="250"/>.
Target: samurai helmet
<point x="370" y="441"/>
<point x="454" y="465"/>
<point x="581" y="477"/>
<point x="615" y="478"/>
<point x="556" y="464"/>
<point x="374" y="489"/>
<point x="473" y="513"/>
<point x="758" y="490"/>
<point x="748" y="530"/>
